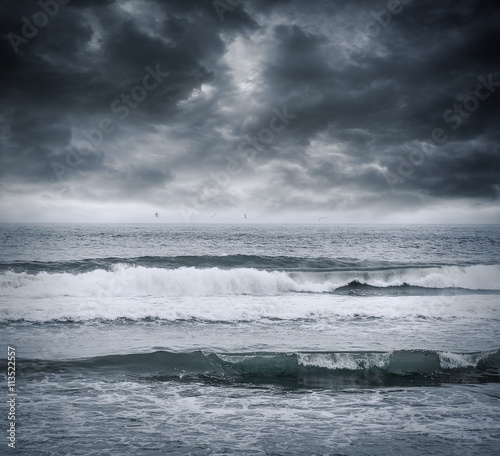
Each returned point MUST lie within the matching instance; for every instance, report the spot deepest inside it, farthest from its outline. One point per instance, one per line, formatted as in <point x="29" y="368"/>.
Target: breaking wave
<point x="124" y="280"/>
<point x="309" y="369"/>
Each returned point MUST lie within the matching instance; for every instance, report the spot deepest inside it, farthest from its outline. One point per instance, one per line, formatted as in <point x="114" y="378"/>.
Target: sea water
<point x="252" y="339"/>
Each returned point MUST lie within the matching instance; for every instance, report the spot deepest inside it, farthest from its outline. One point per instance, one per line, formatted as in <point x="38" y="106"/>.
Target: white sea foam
<point x="350" y="361"/>
<point x="449" y="360"/>
<point x="393" y="360"/>
<point x="129" y="281"/>
<point x="479" y="277"/>
<point x="325" y="311"/>
<point x="126" y="281"/>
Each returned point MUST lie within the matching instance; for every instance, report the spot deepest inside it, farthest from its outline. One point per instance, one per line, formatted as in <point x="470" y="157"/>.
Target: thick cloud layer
<point x="374" y="108"/>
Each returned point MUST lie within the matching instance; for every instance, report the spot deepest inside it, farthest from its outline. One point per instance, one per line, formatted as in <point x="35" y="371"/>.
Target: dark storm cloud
<point x="67" y="76"/>
<point x="430" y="58"/>
<point x="362" y="93"/>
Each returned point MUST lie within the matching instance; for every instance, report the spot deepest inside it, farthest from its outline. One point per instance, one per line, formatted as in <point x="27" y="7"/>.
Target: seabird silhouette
<point x="321" y="218"/>
<point x="156" y="214"/>
<point x="245" y="215"/>
<point x="214" y="214"/>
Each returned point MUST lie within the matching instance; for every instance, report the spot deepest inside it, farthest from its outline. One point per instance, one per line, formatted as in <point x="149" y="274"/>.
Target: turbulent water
<point x="253" y="339"/>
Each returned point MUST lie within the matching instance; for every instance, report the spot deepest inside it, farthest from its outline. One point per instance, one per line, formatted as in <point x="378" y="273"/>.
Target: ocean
<point x="320" y="339"/>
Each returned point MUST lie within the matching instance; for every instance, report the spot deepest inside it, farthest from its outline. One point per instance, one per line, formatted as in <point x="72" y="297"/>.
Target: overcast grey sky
<point x="284" y="110"/>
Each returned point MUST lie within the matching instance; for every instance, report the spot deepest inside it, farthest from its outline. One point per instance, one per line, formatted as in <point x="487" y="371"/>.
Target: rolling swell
<point x="306" y="369"/>
<point x="279" y="263"/>
<point x="189" y="261"/>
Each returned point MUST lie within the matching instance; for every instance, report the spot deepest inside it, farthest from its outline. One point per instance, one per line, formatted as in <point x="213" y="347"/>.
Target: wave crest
<point x="312" y="369"/>
<point x="132" y="281"/>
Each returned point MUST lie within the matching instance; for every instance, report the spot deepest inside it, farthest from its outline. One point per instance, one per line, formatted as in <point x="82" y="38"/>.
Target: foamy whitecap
<point x="127" y="281"/>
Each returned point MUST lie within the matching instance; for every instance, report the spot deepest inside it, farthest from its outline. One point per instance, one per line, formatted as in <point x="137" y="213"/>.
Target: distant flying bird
<point x="321" y="218"/>
<point x="156" y="214"/>
<point x="214" y="214"/>
<point x="245" y="215"/>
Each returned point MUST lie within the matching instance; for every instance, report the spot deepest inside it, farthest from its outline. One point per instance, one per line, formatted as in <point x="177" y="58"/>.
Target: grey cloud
<point x="368" y="100"/>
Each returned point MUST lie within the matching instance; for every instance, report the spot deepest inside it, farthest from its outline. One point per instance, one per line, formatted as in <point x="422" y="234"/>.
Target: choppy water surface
<point x="253" y="339"/>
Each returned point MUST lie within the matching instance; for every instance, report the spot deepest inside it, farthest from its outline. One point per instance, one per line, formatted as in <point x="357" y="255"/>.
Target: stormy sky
<point x="284" y="110"/>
